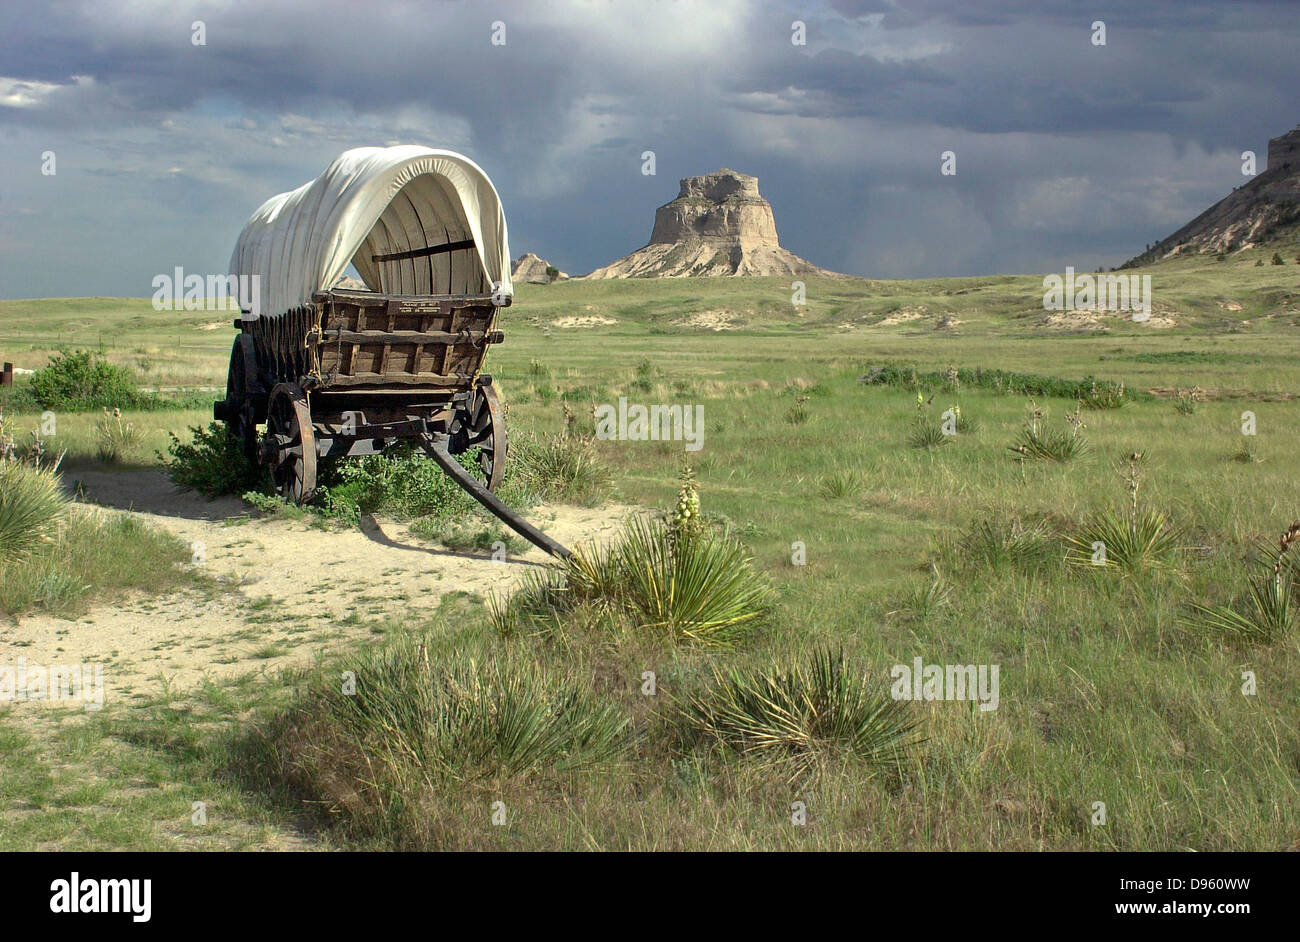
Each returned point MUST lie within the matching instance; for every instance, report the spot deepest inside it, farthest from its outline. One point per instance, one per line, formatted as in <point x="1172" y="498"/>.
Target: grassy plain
<point x="1111" y="691"/>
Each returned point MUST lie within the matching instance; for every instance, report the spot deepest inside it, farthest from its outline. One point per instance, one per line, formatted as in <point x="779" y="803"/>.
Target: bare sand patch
<point x="289" y="591"/>
<point x="709" y="320"/>
<point x="583" y="320"/>
<point x="1102" y="320"/>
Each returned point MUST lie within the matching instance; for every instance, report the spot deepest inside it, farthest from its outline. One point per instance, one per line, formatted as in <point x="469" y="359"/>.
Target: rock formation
<point x="1263" y="210"/>
<point x="533" y="270"/>
<point x="718" y="225"/>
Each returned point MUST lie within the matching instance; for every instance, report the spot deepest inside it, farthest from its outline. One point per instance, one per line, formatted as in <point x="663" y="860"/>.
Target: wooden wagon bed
<point x="378" y="343"/>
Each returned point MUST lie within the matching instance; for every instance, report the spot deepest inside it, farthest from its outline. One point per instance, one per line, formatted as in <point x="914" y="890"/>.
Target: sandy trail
<point x="289" y="590"/>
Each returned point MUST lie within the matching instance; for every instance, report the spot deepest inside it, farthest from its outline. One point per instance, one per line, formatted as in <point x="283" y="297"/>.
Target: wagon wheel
<point x="290" y="443"/>
<point x="241" y="413"/>
<point x="481" y="424"/>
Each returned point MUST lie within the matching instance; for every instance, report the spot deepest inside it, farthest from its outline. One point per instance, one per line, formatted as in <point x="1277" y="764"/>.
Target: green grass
<point x="97" y="557"/>
<point x="1113" y="689"/>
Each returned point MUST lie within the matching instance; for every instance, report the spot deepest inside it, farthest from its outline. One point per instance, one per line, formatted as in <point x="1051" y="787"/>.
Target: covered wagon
<point x="332" y="371"/>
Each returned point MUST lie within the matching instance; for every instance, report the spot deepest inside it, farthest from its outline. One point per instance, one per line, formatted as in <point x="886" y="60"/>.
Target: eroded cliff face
<point x="717" y="207"/>
<point x="719" y="224"/>
<point x="1266" y="209"/>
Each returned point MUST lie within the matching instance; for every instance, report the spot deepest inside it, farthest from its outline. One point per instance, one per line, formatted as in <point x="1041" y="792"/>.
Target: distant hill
<point x="717" y="225"/>
<point x="1265" y="210"/>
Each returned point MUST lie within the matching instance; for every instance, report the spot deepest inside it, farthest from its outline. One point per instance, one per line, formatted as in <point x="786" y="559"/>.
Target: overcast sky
<point x="1067" y="153"/>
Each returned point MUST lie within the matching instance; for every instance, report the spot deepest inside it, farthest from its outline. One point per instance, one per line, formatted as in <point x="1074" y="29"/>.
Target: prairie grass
<point x="96" y="555"/>
<point x="1113" y="689"/>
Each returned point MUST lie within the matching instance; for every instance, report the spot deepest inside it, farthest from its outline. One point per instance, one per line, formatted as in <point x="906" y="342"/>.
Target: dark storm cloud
<point x="1068" y="153"/>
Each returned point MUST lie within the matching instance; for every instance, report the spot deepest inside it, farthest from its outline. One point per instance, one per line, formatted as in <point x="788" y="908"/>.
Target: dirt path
<point x="294" y="590"/>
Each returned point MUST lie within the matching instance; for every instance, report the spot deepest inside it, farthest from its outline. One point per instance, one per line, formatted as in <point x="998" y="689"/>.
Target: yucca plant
<point x="1129" y="543"/>
<point x="114" y="438"/>
<point x="31" y="507"/>
<point x="1268" y="609"/>
<point x="1105" y="396"/>
<point x="689" y="587"/>
<point x="927" y="601"/>
<point x="1264" y="614"/>
<point x="926" y="434"/>
<point x="841" y="483"/>
<point x="1131" y="540"/>
<point x="1041" y="442"/>
<point x="795" y="720"/>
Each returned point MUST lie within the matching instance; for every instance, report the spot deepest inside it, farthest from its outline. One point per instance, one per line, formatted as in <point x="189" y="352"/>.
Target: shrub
<point x="82" y="380"/>
<point x="1002" y="381"/>
<point x="212" y="462"/>
<point x="1277" y="259"/>
<point x="32" y="506"/>
<point x="399" y="482"/>
<point x="796" y="719"/>
<point x="686" y="588"/>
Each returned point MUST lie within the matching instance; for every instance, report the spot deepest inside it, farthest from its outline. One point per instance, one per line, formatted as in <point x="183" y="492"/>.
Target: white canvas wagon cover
<point x="378" y="207"/>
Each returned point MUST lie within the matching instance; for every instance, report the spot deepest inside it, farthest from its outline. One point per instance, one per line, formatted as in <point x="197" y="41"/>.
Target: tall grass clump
<point x="114" y="438"/>
<point x="94" y="555"/>
<point x="563" y="466"/>
<point x="420" y="727"/>
<point x="795" y="720"/>
<point x="32" y="505"/>
<point x="1005" y="543"/>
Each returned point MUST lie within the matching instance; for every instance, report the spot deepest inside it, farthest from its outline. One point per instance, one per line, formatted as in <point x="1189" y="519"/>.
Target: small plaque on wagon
<point x="410" y="306"/>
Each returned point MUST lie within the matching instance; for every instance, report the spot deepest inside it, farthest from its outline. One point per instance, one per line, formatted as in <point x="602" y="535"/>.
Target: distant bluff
<point x="719" y="224"/>
<point x="532" y="269"/>
<point x="1260" y="212"/>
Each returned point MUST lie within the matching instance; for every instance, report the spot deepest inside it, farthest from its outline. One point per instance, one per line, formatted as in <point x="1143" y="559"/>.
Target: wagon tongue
<point x="436" y="447"/>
